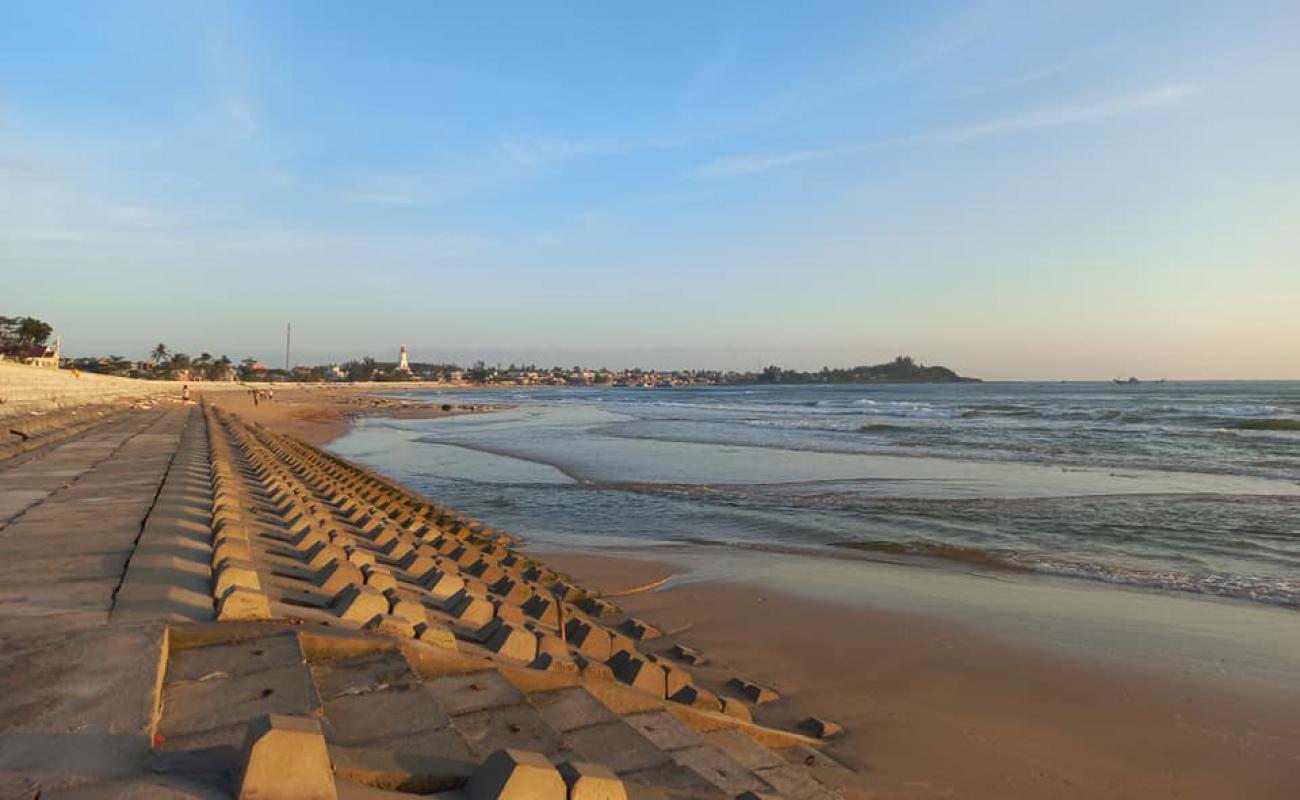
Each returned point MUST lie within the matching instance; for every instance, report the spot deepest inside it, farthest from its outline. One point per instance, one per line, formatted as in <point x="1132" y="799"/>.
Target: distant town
<point x="27" y="340"/>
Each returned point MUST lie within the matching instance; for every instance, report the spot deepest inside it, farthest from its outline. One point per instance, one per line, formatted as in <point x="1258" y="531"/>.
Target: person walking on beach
<point x="254" y="393"/>
<point x="185" y="393"/>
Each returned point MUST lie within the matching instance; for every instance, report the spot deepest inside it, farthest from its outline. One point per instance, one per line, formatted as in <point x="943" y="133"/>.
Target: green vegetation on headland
<point x="902" y="369"/>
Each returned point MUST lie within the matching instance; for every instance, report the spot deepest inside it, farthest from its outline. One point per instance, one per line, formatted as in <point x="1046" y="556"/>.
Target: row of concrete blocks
<point x="590" y="639"/>
<point x="351" y="574"/>
<point x="447" y="562"/>
<point x="518" y="619"/>
<point x="286" y="758"/>
<point x="361" y="486"/>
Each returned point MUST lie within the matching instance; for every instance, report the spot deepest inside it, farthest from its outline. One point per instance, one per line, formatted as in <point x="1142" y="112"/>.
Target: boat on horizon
<point x="1133" y="381"/>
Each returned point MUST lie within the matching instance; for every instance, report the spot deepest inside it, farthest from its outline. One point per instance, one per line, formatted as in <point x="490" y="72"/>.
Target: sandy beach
<point x="1077" y="691"/>
<point x="934" y="710"/>
<point x="321" y="413"/>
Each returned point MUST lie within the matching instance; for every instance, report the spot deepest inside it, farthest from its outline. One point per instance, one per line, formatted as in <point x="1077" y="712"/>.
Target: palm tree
<point x="202" y="363"/>
<point x="160" y="352"/>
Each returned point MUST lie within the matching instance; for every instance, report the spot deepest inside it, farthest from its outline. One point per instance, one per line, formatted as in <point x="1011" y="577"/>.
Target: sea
<point x="1189" y="487"/>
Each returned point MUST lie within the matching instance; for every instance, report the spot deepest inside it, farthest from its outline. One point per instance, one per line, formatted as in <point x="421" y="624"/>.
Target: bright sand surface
<point x="322" y="413"/>
<point x="1038" y="688"/>
<point x="957" y="682"/>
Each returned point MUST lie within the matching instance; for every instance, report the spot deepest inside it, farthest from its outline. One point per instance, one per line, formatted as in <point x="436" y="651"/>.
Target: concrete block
<point x="359" y="556"/>
<point x="442" y="584"/>
<point x="822" y="728"/>
<point x="737" y="709"/>
<point x="471" y="611"/>
<point x="285" y="758"/>
<point x="686" y="655"/>
<point x="588" y="781"/>
<point x="231" y="548"/>
<point x="232" y="574"/>
<point x="675" y="680"/>
<point x="417" y="565"/>
<point x="753" y="692"/>
<point x="243" y="604"/>
<point x="379" y="577"/>
<point x="409" y="610"/>
<point x="639" y="629"/>
<point x="337" y="574"/>
<point x="541" y="608"/>
<point x="594" y="670"/>
<point x="512" y="642"/>
<point x="639" y="673"/>
<point x="597" y="607"/>
<point x="359" y="603"/>
<point x="590" y="639"/>
<point x="436" y="635"/>
<point x="696" y="697"/>
<point x="390" y="625"/>
<point x="516" y="775"/>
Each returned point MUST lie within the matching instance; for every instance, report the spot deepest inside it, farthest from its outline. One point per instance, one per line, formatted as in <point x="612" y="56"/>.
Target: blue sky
<point x="1017" y="190"/>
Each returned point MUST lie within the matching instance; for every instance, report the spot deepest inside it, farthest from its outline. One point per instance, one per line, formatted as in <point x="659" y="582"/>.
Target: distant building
<point x="402" y="365"/>
<point x="41" y="355"/>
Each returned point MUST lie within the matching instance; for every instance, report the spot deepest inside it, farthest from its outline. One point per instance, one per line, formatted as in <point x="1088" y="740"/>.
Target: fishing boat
<point x="1134" y="381"/>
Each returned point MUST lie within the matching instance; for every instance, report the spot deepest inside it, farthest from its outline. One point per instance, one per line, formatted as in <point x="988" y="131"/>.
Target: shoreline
<point x="320" y="414"/>
<point x="934" y="708"/>
<point x="938" y="704"/>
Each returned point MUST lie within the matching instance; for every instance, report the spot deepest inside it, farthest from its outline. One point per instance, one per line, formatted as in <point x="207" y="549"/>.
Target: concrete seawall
<point x="25" y="390"/>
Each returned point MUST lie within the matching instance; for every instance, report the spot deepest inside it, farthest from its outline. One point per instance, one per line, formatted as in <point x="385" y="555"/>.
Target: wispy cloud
<point x="390" y="190"/>
<point x="1054" y="117"/>
<point x="532" y="151"/>
<point x="951" y="43"/>
<point x="1013" y="81"/>
<point x="1078" y="114"/>
<point x="539" y="151"/>
<point x="230" y="70"/>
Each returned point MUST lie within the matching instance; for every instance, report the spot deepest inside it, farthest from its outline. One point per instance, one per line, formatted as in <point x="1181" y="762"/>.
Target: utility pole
<point x="288" y="334"/>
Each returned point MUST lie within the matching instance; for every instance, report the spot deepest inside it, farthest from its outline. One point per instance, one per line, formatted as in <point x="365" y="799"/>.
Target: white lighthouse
<point x="402" y="366"/>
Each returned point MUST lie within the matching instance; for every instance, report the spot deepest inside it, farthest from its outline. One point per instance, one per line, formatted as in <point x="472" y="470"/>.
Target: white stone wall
<point x="25" y="389"/>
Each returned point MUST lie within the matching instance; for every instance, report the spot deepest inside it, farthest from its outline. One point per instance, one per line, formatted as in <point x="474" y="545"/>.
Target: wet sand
<point x="932" y="709"/>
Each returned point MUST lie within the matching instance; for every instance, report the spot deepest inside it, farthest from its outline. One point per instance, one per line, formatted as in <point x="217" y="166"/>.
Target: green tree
<point x="159" y="353"/>
<point x="32" y="331"/>
<point x="19" y="334"/>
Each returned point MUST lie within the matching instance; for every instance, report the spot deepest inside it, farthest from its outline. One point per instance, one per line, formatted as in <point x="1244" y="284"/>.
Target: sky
<point x="1015" y="190"/>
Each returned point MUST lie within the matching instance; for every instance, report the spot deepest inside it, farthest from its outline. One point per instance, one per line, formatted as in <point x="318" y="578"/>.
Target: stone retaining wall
<point x="25" y="389"/>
